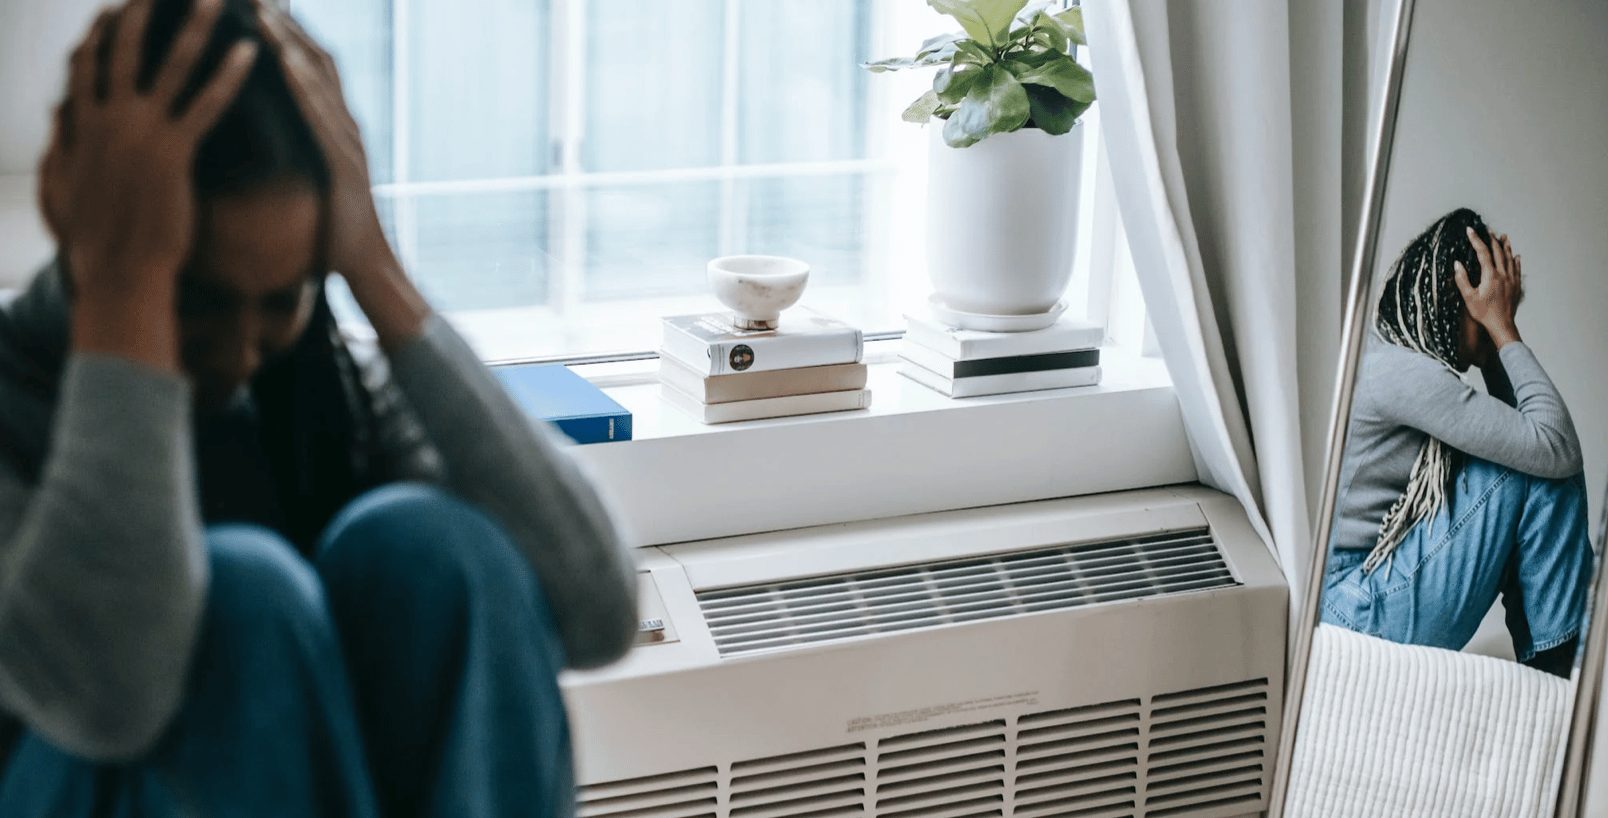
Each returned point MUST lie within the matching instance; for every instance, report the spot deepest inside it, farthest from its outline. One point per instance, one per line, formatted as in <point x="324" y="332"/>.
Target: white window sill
<point x="914" y="451"/>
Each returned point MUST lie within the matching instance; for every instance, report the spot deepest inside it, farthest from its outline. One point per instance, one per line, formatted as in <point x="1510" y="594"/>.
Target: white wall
<point x="35" y="37"/>
<point x="1502" y="111"/>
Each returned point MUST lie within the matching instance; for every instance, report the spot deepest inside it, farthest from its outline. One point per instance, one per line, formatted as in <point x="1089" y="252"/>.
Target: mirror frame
<point x="1589" y="664"/>
<point x="1355" y="329"/>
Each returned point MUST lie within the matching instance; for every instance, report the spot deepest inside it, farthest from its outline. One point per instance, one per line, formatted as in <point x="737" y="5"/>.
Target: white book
<point x="777" y="383"/>
<point x="767" y="407"/>
<point x="967" y="344"/>
<point x="1011" y="364"/>
<point x="711" y="346"/>
<point x="1001" y="384"/>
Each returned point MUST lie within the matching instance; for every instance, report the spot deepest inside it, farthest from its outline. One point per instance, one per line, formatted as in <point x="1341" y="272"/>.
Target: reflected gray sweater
<point x="1403" y="396"/>
<point x="103" y="565"/>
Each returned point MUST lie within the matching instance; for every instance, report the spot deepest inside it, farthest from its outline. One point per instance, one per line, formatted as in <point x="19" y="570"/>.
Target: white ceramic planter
<point x="1000" y="220"/>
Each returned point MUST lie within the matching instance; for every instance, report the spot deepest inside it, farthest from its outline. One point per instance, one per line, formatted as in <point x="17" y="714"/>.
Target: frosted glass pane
<point x="358" y="34"/>
<point x="650" y="241"/>
<point x="652" y="84"/>
<point x="478" y="251"/>
<point x="478" y="79"/>
<point x="802" y="91"/>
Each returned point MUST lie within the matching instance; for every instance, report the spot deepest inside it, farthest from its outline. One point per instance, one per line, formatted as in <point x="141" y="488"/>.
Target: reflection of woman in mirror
<point x="1450" y="497"/>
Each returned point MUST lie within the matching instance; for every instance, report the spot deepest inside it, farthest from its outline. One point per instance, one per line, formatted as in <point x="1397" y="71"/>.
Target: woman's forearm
<point x="519" y="472"/>
<point x="393" y="305"/>
<point x="1497" y="383"/>
<point x="104" y="567"/>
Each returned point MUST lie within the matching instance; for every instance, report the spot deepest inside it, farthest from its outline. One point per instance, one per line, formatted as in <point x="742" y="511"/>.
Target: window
<point x="557" y="173"/>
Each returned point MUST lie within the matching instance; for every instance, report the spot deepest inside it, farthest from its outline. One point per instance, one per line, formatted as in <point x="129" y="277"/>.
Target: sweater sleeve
<point x="103" y="569"/>
<point x="1535" y="435"/>
<point x="522" y="474"/>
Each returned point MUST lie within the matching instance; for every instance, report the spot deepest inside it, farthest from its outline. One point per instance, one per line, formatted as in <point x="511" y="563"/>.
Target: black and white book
<point x="1008" y="365"/>
<point x="775" y="383"/>
<point x="967" y="344"/>
<point x="979" y="385"/>
<point x="709" y="345"/>
<point x="818" y="403"/>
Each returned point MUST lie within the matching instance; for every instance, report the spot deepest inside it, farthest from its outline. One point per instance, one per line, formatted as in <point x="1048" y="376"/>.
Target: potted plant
<point x="1002" y="186"/>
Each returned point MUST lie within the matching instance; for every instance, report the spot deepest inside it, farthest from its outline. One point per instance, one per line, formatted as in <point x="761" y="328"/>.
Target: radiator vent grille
<point x="685" y="794"/>
<point x="1201" y="753"/>
<point x="1207" y="752"/>
<point x="820" y="784"/>
<point x="1083" y="761"/>
<point x="823" y="609"/>
<point x="949" y="773"/>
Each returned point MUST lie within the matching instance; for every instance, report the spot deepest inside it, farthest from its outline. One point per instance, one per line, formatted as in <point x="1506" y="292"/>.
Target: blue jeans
<point x="412" y="671"/>
<point x="1500" y="532"/>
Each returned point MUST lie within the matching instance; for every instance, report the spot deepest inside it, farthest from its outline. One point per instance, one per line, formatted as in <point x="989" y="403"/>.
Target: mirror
<point x="1440" y="645"/>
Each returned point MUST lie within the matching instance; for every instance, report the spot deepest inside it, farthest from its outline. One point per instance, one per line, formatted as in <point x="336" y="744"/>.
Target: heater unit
<point x="1102" y="656"/>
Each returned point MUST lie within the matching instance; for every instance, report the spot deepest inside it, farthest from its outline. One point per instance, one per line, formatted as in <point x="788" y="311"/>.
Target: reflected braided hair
<point x="1421" y="309"/>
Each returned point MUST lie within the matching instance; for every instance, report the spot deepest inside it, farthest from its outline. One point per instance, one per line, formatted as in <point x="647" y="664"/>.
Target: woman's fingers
<point x="122" y="78"/>
<point x="1487" y="266"/>
<point x="309" y="72"/>
<point x="85" y="66"/>
<point x="1460" y="275"/>
<point x="289" y="38"/>
<point x="220" y="90"/>
<point x="188" y="46"/>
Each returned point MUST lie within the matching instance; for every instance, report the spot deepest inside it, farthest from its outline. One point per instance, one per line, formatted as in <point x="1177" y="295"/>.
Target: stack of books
<point x="964" y="363"/>
<point x="718" y="374"/>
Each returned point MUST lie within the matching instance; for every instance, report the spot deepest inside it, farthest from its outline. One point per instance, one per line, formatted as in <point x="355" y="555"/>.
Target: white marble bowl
<point x="758" y="288"/>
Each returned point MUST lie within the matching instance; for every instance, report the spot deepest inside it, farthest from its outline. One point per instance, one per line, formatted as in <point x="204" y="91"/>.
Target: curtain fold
<point x="1197" y="102"/>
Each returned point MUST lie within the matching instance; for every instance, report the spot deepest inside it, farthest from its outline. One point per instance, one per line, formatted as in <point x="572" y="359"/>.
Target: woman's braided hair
<point x="1422" y="309"/>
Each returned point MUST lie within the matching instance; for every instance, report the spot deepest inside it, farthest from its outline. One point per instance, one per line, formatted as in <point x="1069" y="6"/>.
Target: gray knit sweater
<point x="1404" y="396"/>
<point x="103" y="565"/>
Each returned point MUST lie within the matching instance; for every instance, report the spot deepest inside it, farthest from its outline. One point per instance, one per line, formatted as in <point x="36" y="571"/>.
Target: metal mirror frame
<point x="1589" y="665"/>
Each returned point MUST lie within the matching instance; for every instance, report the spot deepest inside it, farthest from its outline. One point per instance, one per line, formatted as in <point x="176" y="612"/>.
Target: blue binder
<point x="555" y="394"/>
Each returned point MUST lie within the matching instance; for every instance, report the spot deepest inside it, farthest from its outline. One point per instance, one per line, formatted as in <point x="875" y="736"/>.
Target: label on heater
<point x="937" y="711"/>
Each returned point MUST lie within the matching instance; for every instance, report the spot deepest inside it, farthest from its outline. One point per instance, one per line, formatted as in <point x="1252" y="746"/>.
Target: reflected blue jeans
<point x="410" y="671"/>
<point x="1499" y="533"/>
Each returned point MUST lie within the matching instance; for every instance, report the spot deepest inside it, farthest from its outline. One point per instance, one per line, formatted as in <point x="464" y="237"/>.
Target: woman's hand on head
<point x="354" y="243"/>
<point x="1495" y="302"/>
<point x="355" y="239"/>
<point x="116" y="183"/>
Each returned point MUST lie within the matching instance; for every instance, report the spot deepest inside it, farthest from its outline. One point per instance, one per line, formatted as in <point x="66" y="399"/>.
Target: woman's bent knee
<point x="259" y="582"/>
<point x="411" y="532"/>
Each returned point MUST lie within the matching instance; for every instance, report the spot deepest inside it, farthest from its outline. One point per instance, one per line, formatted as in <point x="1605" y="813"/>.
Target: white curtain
<point x="1197" y="102"/>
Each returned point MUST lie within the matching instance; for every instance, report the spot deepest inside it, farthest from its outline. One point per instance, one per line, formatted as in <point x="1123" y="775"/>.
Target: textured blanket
<point x="1402" y="730"/>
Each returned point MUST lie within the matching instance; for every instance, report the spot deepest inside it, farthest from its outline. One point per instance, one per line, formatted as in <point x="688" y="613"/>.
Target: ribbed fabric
<point x="1389" y="729"/>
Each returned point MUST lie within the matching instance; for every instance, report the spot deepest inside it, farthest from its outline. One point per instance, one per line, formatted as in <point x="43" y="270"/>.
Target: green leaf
<point x="901" y="63"/>
<point x="1047" y="31"/>
<point x="1071" y="22"/>
<point x="968" y="51"/>
<point x="1051" y="112"/>
<point x="922" y="109"/>
<point x="985" y="21"/>
<point x="934" y="45"/>
<point x="1063" y="74"/>
<point x="952" y="83"/>
<point x="890" y="64"/>
<point x="996" y="103"/>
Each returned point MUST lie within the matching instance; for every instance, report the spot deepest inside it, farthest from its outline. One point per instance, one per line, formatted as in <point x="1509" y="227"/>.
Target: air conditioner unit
<point x="1111" y="655"/>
